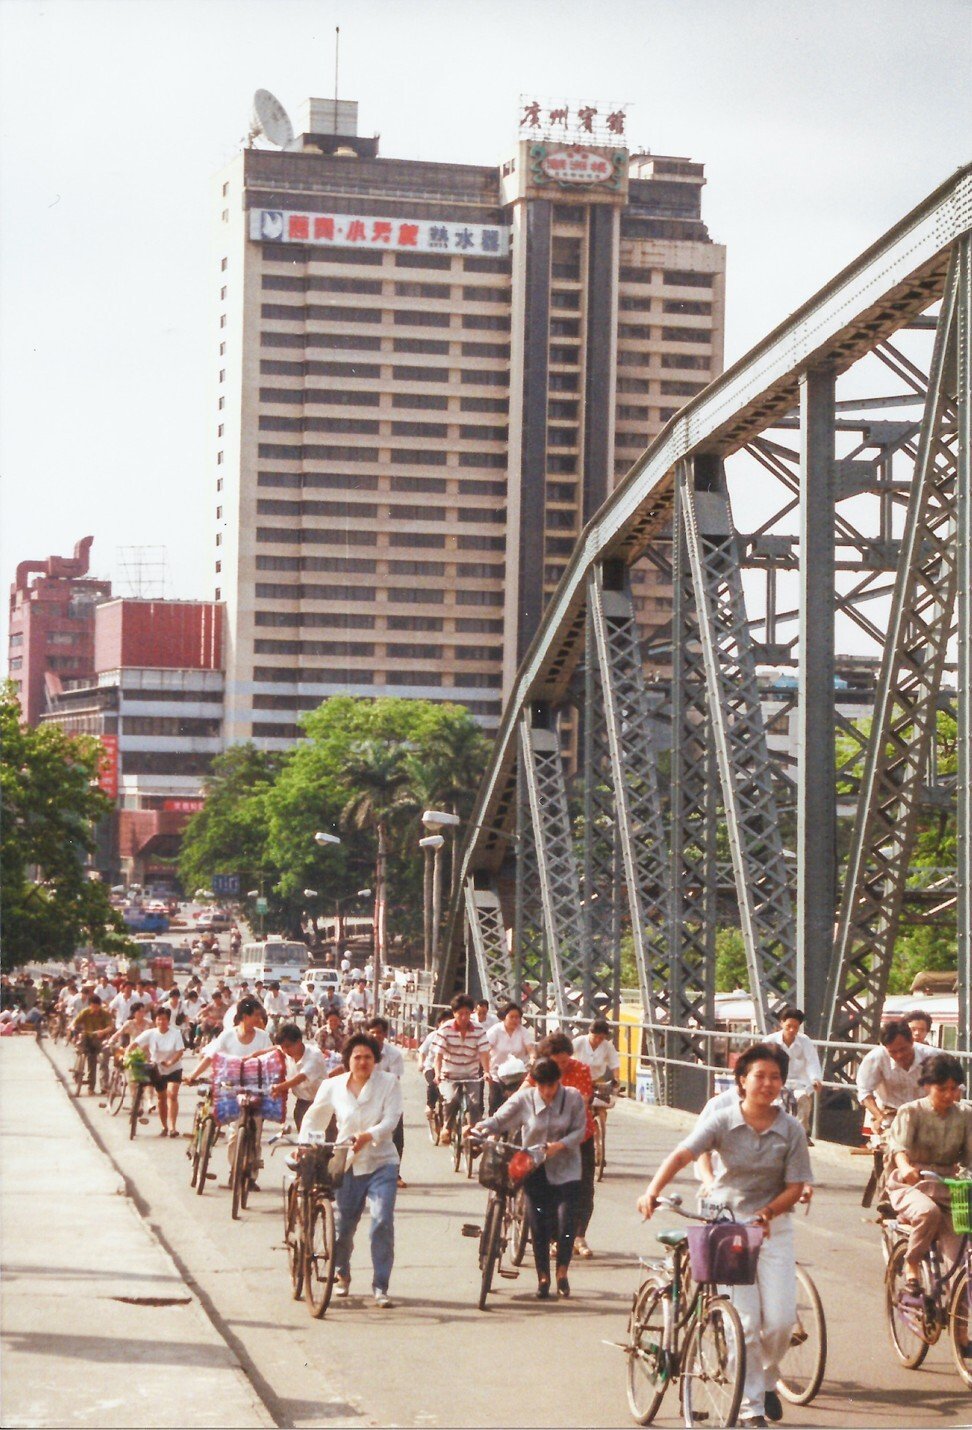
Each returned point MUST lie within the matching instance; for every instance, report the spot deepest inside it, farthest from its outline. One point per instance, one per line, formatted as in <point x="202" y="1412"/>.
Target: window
<point x="564" y="328"/>
<point x="420" y="318"/>
<point x="483" y="321"/>
<point x="222" y="295"/>
<point x="363" y="342"/>
<point x="221" y="403"/>
<point x="219" y="484"/>
<point x="223" y="264"/>
<point x="334" y="397"/>
<point x="681" y="389"/>
<point x="479" y="598"/>
<point x="419" y="429"/>
<point x="416" y="596"/>
<point x="561" y="437"/>
<point x="566" y="411"/>
<point x="225" y="190"/>
<point x="421" y="345"/>
<point x="283" y="283"/>
<point x="318" y="313"/>
<point x="478" y="625"/>
<point x="481" y="543"/>
<point x="225" y="215"/>
<point x="281" y="340"/>
<point x="485" y="265"/>
<point x="423" y="260"/>
<point x="409" y="457"/>
<point x="219" y="459"/>
<point x="634" y="332"/>
<point x="419" y="484"/>
<point x="483" y="434"/>
<point x="370" y="286"/>
<point x="486" y="295"/>
<point x="562" y="491"/>
<point x="423" y="290"/>
<point x="278" y="563"/>
<point x="481" y="514"/>
<point x="418" y="513"/>
<point x="561" y="465"/>
<point x="486" y="350"/>
<point x="627" y="412"/>
<point x="415" y="623"/>
<point x="222" y="374"/>
<point x="484" y="379"/>
<point x="686" y="335"/>
<point x="219" y="430"/>
<point x="417" y="568"/>
<point x="411" y="650"/>
<point x="630" y="304"/>
<point x="686" y="305"/>
<point x="685" y="360"/>
<point x="484" y="404"/>
<point x="561" y="298"/>
<point x="416" y="538"/>
<point x="565" y="356"/>
<point x="633" y="384"/>
<point x="421" y="374"/>
<point x="479" y="570"/>
<point x="562" y="381"/>
<point x="432" y="401"/>
<point x="483" y="459"/>
<point x="679" y="279"/>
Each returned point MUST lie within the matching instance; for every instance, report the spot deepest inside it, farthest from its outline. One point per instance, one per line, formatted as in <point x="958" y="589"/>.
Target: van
<point x="275" y="960"/>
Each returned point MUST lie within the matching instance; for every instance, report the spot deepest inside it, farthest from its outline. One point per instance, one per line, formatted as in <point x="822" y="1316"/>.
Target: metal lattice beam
<point x="634" y="776"/>
<point x="487" y="935"/>
<point x="919" y="629"/>
<point x="563" y="924"/>
<point x="963" y="522"/>
<point x="739" y="737"/>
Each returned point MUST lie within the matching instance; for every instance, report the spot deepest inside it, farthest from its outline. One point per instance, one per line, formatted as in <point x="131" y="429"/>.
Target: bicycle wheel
<point x="294" y="1236"/>
<point x="434" y="1123"/>
<point x="489" y="1246"/>
<point x="960" y="1328"/>
<point x="319" y="1257"/>
<point x="458" y="1123"/>
<point x="467" y="1154"/>
<point x="713" y="1366"/>
<point x="78" y="1074"/>
<point x="521" y="1229"/>
<point x="241" y="1170"/>
<point x="648" y="1371"/>
<point x="906" y="1319"/>
<point x="117" y="1089"/>
<point x="802" y="1367"/>
<point x="206" y="1140"/>
<point x="195" y="1147"/>
<point x="251" y="1162"/>
<point x="598" y="1150"/>
<point x="138" y="1091"/>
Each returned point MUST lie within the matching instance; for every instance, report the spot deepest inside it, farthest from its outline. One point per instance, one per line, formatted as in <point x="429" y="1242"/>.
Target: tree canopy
<point x="48" y="786"/>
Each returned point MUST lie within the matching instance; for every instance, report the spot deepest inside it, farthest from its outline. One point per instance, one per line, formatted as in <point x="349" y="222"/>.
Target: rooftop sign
<point x="333" y="230"/>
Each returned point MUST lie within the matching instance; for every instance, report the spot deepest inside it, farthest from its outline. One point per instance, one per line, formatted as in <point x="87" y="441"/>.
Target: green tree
<point x="229" y="835"/>
<point x="49" y="906"/>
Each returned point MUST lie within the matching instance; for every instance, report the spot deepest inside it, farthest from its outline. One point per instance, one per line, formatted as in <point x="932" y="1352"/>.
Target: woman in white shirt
<point x="243" y="1039"/>
<point x="165" y="1047"/>
<point x="367" y="1104"/>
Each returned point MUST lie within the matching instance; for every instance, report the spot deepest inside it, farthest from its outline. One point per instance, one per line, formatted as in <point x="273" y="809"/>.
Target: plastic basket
<point x="725" y="1252"/>
<point x="322" y="1167"/>
<point x="960" y="1196"/>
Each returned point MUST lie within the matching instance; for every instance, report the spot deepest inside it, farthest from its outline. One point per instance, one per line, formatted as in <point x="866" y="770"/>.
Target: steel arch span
<point x="814" y="498"/>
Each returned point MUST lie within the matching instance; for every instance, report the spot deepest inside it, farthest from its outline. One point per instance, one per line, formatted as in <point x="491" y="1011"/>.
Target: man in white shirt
<point x="277" y="1005"/>
<point x="358" y="1003"/>
<point x="805" y="1075"/>
<point x="596" y="1050"/>
<point x="120" y="1006"/>
<point x="483" y="1016"/>
<point x="888" y="1075"/>
<point x="306" y="1070"/>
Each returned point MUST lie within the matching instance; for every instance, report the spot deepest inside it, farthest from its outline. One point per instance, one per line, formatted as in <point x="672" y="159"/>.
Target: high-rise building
<point x="429" y="378"/>
<point x="51" y="631"/>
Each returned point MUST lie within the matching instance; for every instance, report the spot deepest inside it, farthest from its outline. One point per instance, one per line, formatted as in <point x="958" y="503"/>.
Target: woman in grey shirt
<point x="554" y="1117"/>
<point x="765" y="1166"/>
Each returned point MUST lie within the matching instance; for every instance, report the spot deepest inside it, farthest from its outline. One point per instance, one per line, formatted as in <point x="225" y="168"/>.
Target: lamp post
<point x="432" y="900"/>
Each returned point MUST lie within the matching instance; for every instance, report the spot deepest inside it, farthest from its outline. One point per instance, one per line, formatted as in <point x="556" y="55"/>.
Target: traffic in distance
<point x="287" y="1057"/>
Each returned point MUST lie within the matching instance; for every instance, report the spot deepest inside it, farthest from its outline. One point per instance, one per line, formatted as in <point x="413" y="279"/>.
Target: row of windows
<point x="291" y="253"/>
<point x="169" y="725"/>
<point x="672" y="278"/>
<point x="401" y="317"/>
<point x="413" y="540"/>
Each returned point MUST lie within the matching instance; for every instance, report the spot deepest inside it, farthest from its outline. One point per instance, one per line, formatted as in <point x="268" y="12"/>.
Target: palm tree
<point x="426" y="782"/>
<point x="375" y="773"/>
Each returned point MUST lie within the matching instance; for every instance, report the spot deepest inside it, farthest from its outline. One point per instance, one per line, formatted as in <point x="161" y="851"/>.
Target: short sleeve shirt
<point x="755" y="1166"/>
<point x="461" y="1054"/>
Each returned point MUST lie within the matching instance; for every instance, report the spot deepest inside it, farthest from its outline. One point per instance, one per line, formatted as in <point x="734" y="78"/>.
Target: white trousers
<point x="767" y="1310"/>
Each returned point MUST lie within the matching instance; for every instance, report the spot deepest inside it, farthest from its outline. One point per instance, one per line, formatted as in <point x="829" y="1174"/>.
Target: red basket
<point x="725" y="1252"/>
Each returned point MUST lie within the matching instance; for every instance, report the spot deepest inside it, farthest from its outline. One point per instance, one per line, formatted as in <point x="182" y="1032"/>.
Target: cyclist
<point x="574" y="1073"/>
<point x="461" y="1058"/>
<point x="367" y="1104"/>
<point x="332" y="1037"/>
<point x="245" y="1038"/>
<point x="165" y="1046"/>
<point x="931" y="1134"/>
<point x="554" y="1116"/>
<point x="358" y="1003"/>
<point x="596" y="1049"/>
<point x="132" y="1027"/>
<point x="888" y="1075"/>
<point x="805" y="1075"/>
<point x="277" y="1005"/>
<point x="93" y="1025"/>
<point x="426" y="1057"/>
<point x="506" y="1039"/>
<point x="764" y="1166"/>
<point x="306" y="1070"/>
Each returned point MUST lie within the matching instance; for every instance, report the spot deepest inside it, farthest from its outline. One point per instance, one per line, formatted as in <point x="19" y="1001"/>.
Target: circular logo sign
<point x="577" y="166"/>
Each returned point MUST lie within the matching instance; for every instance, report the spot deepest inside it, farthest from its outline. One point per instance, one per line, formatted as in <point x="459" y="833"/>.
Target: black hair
<point x="462" y="1000"/>
<point x="377" y="1022"/>
<point x="511" y="1008"/>
<point x="245" y="1006"/>
<point x="915" y="1013"/>
<point x="791" y="1011"/>
<point x="761" y="1053"/>
<point x="601" y="1025"/>
<point x="359" y="1040"/>
<point x="940" y="1069"/>
<point x="482" y="1002"/>
<point x="289" y="1033"/>
<point x="554" y="1043"/>
<point x="545" y="1071"/>
<point x="897" y="1028"/>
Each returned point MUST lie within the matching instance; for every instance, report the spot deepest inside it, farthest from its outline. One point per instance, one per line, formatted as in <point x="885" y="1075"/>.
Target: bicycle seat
<point x="672" y="1238"/>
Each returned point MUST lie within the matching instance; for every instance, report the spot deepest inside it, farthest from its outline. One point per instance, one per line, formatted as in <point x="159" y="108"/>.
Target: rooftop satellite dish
<point x="270" y="119"/>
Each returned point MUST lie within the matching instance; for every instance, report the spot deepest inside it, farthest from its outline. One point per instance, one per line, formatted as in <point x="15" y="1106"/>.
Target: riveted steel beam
<point x="487" y="937"/>
<point x="963" y="522"/>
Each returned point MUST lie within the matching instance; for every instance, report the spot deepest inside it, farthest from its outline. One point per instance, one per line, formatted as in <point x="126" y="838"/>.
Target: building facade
<point x="155" y="701"/>
<point x="429" y="376"/>
<point x="51" y="630"/>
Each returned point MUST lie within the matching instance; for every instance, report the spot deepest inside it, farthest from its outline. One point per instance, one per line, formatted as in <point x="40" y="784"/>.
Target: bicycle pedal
<point x="468" y="1229"/>
<point x="509" y="1275"/>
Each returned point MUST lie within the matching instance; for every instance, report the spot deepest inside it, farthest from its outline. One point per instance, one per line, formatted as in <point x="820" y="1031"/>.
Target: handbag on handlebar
<point x="725" y="1252"/>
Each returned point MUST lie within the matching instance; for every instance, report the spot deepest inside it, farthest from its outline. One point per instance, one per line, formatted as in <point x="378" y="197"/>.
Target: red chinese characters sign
<point x="108" y="773"/>
<point x="188" y="805"/>
<point x="353" y="231"/>
<point x="577" y="166"/>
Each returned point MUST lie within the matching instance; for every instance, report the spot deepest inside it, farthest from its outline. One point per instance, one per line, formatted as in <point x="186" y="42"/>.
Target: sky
<point x="820" y="124"/>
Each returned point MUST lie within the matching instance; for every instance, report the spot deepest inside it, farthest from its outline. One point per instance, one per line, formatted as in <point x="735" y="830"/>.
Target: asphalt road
<point x="435" y="1359"/>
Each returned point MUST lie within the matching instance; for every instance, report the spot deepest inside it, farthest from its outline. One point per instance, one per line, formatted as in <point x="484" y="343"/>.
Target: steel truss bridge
<point x="818" y="492"/>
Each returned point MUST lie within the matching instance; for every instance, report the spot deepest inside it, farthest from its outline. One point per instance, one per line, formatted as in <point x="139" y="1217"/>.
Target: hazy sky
<point x="820" y="123"/>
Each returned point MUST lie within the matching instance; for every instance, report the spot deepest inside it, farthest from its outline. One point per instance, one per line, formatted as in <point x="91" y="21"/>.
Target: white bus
<point x="275" y="960"/>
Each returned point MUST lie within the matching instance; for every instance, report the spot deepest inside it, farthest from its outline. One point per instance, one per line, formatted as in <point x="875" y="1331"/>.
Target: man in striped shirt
<point x="461" y="1055"/>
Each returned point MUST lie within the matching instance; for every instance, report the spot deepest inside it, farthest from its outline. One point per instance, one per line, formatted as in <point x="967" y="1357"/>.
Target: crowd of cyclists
<point x="489" y="1075"/>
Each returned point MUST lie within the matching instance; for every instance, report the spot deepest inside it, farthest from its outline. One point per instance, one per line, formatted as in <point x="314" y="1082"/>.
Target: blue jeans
<point x="379" y="1188"/>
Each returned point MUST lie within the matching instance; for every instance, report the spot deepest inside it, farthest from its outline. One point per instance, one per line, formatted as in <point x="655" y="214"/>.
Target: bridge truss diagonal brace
<point x="634" y="777"/>
<point x="905" y="709"/>
<point x="745" y="773"/>
<point x="564" y="932"/>
<point x="487" y="936"/>
<point x="963" y="502"/>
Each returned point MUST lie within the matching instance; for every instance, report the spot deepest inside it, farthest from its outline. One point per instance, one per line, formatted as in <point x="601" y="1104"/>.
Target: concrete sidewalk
<point x="98" y="1326"/>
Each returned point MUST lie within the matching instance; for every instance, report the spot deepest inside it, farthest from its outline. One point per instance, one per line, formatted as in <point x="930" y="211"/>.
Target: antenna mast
<point x="337" y="56"/>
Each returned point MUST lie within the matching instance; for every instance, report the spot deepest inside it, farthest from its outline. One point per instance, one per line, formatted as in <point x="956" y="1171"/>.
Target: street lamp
<point x="440" y="817"/>
<point x="321" y="838"/>
<point x="431" y="906"/>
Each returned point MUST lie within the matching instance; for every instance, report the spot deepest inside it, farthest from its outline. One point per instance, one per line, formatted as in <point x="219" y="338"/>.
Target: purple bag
<point x="725" y="1252"/>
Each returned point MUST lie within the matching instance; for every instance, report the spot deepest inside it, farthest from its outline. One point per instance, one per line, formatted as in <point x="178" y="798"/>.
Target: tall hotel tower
<point x="429" y="378"/>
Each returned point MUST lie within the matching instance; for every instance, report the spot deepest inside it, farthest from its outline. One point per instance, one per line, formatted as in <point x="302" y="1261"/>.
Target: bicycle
<point x="202" y="1140"/>
<point x="683" y="1329"/>
<point x="605" y="1096"/>
<point x="460" y="1123"/>
<point x="917" y="1321"/>
<point x="246" y="1148"/>
<point x="80" y="1066"/>
<point x="309" y="1216"/>
<point x="117" y="1086"/>
<point x="500" y="1230"/>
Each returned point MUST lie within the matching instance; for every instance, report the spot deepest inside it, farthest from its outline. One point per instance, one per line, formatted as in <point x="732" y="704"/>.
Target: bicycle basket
<point x="960" y="1195"/>
<point x="322" y="1167"/>
<point x="725" y="1252"/>
<point x="494" y="1167"/>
